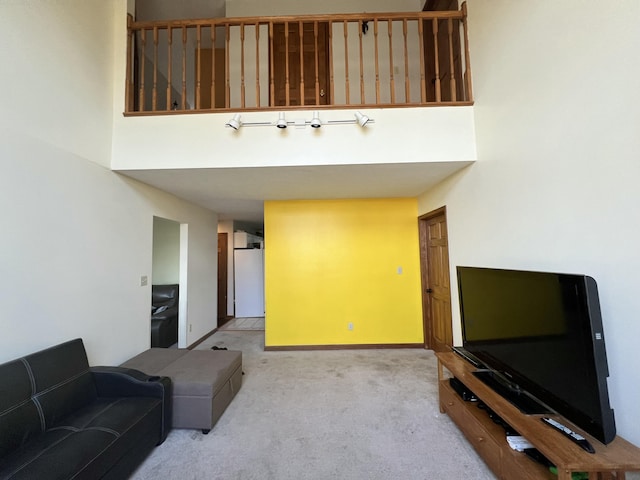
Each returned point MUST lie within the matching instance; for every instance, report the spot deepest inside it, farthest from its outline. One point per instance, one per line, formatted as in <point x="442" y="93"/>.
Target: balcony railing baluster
<point x="287" y="86"/>
<point x="430" y="49"/>
<point x="436" y="60"/>
<point x="198" y="66"/>
<point x="407" y="82"/>
<point x="258" y="65"/>
<point x="316" y="63"/>
<point x="331" y="89"/>
<point x="392" y="84"/>
<point x="242" y="86"/>
<point x="346" y="62"/>
<point x="272" y="89"/>
<point x="214" y="78"/>
<point x="452" y="73"/>
<point x="130" y="86"/>
<point x="423" y="82"/>
<point x="143" y="42"/>
<point x="301" y="60"/>
<point x="465" y="52"/>
<point x="169" y="67"/>
<point x="375" y="57"/>
<point x="184" y="67"/>
<point x="154" y="94"/>
<point x="227" y="62"/>
<point x="362" y="94"/>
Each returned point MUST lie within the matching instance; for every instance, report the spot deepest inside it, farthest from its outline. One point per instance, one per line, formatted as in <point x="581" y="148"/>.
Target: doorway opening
<point x="436" y="286"/>
<point x="223" y="278"/>
<point x="169" y="284"/>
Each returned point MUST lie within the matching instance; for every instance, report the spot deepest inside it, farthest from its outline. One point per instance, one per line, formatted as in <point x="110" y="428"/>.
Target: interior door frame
<point x="223" y="276"/>
<point x="424" y="273"/>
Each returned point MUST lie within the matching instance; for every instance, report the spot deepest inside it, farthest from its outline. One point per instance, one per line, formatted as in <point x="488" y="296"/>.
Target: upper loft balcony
<point x="374" y="60"/>
<point x="186" y="80"/>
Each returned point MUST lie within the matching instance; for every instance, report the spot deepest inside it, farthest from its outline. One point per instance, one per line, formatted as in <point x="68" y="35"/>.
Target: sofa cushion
<point x="19" y="416"/>
<point x="200" y="373"/>
<point x="39" y="389"/>
<point x="152" y="361"/>
<point x="86" y="443"/>
<point x="61" y="380"/>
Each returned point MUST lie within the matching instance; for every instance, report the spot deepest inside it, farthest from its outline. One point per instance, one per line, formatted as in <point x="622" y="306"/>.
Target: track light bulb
<point x="361" y="119"/>
<point x="235" y="122"/>
<point x="282" y="123"/>
<point x="315" y="121"/>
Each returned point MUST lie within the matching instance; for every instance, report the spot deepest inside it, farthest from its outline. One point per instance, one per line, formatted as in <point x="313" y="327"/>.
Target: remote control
<point x="575" y="437"/>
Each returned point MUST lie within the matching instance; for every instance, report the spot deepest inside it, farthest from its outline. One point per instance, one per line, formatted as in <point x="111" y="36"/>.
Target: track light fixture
<point x="315" y="121"/>
<point x="361" y="119"/>
<point x="282" y="123"/>
<point x="235" y="122"/>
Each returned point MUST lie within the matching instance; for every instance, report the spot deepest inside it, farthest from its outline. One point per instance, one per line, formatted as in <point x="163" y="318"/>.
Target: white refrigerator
<point x="249" y="282"/>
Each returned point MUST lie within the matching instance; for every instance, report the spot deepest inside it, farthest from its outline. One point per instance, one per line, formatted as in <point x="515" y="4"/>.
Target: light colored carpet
<point x="345" y="414"/>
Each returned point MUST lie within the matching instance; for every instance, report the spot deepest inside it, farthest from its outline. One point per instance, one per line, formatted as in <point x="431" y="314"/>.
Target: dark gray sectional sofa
<point x="60" y="419"/>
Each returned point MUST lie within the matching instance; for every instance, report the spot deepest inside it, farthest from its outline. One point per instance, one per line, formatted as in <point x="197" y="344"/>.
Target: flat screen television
<point x="542" y="334"/>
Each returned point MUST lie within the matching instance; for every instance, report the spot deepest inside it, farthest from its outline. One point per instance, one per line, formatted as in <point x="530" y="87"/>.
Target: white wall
<point x="76" y="236"/>
<point x="438" y="134"/>
<point x="46" y="45"/>
<point x="166" y="252"/>
<point x="555" y="187"/>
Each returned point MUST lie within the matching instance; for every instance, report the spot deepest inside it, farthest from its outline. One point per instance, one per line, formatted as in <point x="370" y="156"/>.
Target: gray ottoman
<point x="204" y="381"/>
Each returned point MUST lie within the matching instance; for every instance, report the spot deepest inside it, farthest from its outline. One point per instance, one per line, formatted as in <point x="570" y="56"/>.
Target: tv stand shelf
<point x="609" y="462"/>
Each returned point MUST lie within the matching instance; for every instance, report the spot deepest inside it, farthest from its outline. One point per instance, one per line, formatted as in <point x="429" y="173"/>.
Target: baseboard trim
<point x="360" y="346"/>
<point x="202" y="339"/>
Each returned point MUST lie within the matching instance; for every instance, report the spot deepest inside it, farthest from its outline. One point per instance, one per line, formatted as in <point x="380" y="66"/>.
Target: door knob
<point x="322" y="92"/>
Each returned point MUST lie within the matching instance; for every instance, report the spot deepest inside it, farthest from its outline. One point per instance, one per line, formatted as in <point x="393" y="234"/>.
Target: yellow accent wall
<point x="329" y="263"/>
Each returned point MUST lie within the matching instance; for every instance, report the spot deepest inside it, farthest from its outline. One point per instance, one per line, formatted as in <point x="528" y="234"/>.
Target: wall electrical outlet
<point x="399" y="270"/>
<point x="143" y="280"/>
<point x="350" y="326"/>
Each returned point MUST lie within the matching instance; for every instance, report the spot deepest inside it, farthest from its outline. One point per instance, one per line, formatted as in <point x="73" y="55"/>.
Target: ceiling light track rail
<point x="360" y="119"/>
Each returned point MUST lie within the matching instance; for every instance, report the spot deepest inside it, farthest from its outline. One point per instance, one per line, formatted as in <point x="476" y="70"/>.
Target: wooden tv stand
<point x="609" y="462"/>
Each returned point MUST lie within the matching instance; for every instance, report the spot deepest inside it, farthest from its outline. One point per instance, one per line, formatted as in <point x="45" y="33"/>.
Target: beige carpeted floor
<point x="344" y="414"/>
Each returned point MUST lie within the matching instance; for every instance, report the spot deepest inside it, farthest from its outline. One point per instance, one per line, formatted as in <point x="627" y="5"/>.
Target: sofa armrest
<point x="169" y="313"/>
<point x="128" y="382"/>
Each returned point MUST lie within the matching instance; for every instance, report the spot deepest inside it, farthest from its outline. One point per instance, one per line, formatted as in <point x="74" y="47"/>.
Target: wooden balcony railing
<point x="227" y="64"/>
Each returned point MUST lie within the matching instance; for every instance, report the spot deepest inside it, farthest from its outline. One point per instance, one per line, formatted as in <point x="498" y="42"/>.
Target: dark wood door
<point x="436" y="294"/>
<point x="301" y="79"/>
<point x="223" y="243"/>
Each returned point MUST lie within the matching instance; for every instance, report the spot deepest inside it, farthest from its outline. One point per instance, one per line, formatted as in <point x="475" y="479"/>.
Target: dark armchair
<point x="164" y="315"/>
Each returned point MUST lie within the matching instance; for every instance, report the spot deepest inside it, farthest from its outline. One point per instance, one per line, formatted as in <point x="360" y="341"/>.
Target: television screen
<point x="543" y="332"/>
